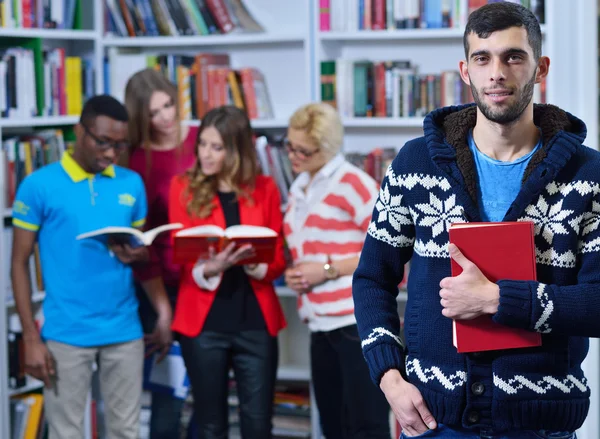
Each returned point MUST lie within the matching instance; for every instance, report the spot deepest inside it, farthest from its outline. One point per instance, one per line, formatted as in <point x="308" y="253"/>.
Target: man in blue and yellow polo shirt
<point x="90" y="309"/>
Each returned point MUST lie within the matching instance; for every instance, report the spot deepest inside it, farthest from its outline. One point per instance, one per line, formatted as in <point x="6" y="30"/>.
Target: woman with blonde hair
<point x="227" y="314"/>
<point x="162" y="148"/>
<point x="325" y="224"/>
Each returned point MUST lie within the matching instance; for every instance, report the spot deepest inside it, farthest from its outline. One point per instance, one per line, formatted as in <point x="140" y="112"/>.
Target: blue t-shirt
<point x="499" y="182"/>
<point x="90" y="297"/>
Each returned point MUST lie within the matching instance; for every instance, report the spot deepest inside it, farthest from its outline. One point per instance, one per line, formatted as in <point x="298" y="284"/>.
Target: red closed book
<point x="501" y="250"/>
<point x="194" y="243"/>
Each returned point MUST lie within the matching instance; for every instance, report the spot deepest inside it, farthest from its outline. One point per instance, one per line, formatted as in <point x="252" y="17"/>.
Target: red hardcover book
<point x="194" y="243"/>
<point x="501" y="250"/>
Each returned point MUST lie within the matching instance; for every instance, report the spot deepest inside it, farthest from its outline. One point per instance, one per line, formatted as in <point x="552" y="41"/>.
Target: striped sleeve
<point x="362" y="196"/>
<point x="28" y="207"/>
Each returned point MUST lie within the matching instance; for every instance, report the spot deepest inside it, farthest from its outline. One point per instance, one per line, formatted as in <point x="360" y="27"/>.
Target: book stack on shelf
<point x="203" y="81"/>
<point x="38" y="82"/>
<point x="375" y="162"/>
<point x="378" y="15"/>
<point x="291" y="411"/>
<point x="48" y="14"/>
<point x="274" y="162"/>
<point x="152" y="18"/>
<point x="26" y="153"/>
<point x="388" y="88"/>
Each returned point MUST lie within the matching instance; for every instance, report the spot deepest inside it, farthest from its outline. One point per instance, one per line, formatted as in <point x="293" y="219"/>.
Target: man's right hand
<point x="407" y="404"/>
<point x="39" y="362"/>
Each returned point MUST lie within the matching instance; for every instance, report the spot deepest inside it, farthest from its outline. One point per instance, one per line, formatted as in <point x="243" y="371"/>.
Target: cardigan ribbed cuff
<point x="515" y="304"/>
<point x="382" y="358"/>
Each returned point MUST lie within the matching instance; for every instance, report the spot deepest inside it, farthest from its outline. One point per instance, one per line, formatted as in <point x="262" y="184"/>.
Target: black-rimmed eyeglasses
<point x="104" y="145"/>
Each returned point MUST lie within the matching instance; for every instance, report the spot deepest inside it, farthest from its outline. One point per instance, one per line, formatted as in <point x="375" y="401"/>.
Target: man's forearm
<point x="21" y="285"/>
<point x="155" y="289"/>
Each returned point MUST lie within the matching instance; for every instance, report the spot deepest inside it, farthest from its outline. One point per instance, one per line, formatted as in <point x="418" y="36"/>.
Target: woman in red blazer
<point x="228" y="315"/>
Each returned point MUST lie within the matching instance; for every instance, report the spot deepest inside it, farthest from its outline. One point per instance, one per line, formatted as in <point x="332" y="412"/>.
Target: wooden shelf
<point x="239" y="39"/>
<point x="49" y="34"/>
<point x="38" y="121"/>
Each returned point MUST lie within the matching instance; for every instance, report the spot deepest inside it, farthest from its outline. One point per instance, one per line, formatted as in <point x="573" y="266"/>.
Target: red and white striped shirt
<point x="329" y="217"/>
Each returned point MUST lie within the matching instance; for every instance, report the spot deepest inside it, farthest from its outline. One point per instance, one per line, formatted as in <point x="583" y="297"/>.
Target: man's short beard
<point x="510" y="114"/>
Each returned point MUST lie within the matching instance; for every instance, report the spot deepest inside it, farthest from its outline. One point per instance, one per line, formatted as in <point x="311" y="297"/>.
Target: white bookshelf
<point x="35" y="122"/>
<point x="396" y="35"/>
<point x="49" y="34"/>
<point x="205" y="41"/>
<point x="289" y="55"/>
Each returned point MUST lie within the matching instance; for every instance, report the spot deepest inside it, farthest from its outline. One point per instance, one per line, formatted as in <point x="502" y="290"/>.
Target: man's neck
<point x="506" y="142"/>
<point x="80" y="162"/>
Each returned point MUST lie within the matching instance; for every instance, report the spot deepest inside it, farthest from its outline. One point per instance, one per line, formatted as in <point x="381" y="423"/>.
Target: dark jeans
<point x="253" y="356"/>
<point x="165" y="416"/>
<point x="350" y="405"/>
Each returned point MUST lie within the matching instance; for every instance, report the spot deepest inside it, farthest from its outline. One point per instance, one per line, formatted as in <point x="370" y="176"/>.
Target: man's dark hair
<point x="500" y="16"/>
<point x="103" y="105"/>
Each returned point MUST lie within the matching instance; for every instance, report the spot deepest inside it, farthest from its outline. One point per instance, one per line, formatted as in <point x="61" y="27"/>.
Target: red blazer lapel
<point x="250" y="212"/>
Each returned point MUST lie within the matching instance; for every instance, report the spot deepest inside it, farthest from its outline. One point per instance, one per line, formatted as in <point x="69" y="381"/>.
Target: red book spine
<point x="378" y="16"/>
<point x="218" y="9"/>
<point x="380" y="105"/>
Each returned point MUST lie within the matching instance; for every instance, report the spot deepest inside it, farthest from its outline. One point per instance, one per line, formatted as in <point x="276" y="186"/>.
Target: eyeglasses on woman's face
<point x="298" y="151"/>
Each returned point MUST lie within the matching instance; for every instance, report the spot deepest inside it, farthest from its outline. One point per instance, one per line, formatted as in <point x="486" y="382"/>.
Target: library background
<point x="269" y="57"/>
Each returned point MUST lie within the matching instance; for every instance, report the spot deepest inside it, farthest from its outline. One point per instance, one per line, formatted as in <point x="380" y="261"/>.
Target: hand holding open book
<point x="204" y="242"/>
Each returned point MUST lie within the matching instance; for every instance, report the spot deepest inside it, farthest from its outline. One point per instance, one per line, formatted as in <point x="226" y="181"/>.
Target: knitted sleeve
<point x="567" y="310"/>
<point x="388" y="246"/>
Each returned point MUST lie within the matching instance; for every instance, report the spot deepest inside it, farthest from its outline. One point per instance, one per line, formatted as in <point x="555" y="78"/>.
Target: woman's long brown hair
<point x="240" y="167"/>
<point x="138" y="93"/>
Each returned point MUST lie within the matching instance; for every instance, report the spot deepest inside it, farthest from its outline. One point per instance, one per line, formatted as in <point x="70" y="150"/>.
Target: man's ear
<point x="542" y="69"/>
<point x="463" y="68"/>
<point x="79" y="131"/>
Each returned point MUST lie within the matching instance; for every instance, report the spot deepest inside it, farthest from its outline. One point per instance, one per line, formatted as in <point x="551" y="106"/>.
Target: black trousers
<point x="253" y="356"/>
<point x="350" y="405"/>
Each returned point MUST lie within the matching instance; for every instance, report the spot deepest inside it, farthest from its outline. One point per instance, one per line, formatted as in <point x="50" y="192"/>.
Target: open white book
<point x="130" y="235"/>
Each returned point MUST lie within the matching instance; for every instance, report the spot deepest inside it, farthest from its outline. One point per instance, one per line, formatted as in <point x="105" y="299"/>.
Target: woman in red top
<point x="228" y="315"/>
<point x="163" y="148"/>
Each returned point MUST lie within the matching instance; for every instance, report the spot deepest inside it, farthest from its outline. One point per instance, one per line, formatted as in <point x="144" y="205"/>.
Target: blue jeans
<point x="443" y="431"/>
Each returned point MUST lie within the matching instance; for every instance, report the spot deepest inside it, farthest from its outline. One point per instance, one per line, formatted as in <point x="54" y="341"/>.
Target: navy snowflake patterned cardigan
<point x="432" y="183"/>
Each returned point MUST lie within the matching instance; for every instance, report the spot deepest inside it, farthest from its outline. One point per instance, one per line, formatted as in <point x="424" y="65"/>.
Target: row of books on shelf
<point x="133" y="18"/>
<point x="37" y="82"/>
<point x="26" y="153"/>
<point x="353" y="15"/>
<point x="53" y="14"/>
<point x="203" y="81"/>
<point x="393" y="88"/>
